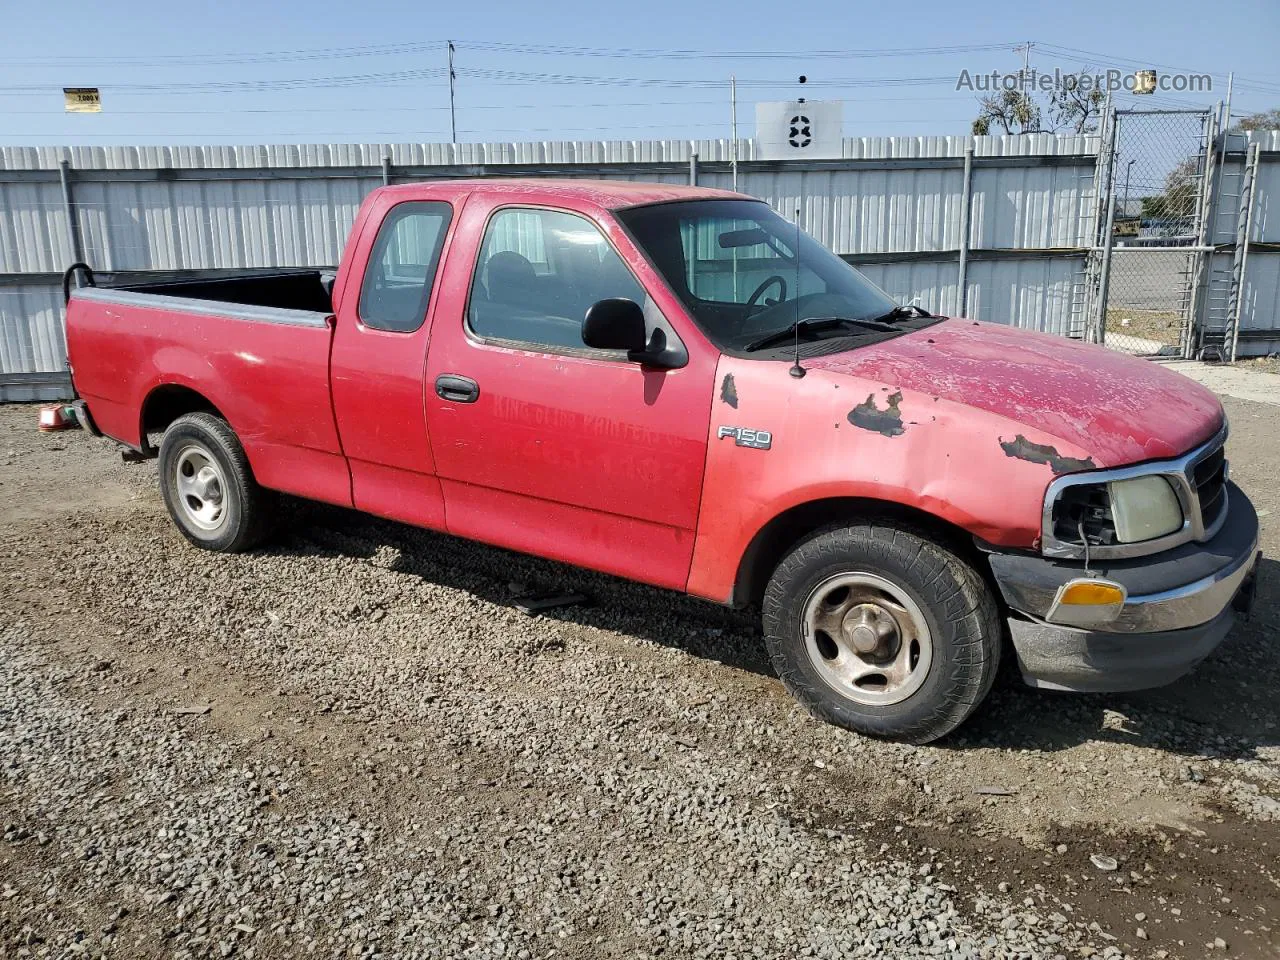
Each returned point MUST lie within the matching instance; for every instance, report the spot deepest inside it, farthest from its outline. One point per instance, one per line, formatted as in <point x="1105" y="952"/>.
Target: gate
<point x="1146" y="273"/>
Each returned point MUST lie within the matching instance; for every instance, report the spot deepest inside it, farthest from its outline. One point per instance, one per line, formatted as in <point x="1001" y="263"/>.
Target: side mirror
<point x="615" y="324"/>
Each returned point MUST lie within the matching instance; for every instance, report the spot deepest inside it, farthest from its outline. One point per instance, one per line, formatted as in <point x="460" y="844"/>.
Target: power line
<point x="527" y="49"/>
<point x="508" y="77"/>
<point x="493" y="78"/>
<point x="604" y="104"/>
<point x="213" y="86"/>
<point x="1128" y="61"/>
<point x="631" y="53"/>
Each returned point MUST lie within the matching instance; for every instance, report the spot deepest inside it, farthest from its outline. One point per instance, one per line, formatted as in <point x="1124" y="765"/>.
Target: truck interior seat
<point x="510" y="278"/>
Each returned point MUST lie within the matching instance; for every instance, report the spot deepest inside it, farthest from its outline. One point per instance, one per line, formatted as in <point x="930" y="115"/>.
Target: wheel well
<point x="166" y="404"/>
<point x="784" y="531"/>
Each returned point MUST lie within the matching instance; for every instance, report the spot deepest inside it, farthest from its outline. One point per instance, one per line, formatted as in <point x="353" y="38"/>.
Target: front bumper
<point x="1180" y="604"/>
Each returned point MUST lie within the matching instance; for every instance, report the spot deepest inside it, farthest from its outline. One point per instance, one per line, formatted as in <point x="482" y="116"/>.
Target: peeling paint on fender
<point x="729" y="391"/>
<point x="1023" y="449"/>
<point x="887" y="422"/>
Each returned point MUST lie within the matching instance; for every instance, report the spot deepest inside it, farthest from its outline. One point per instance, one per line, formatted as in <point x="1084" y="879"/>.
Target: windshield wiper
<point x="814" y="324"/>
<point x="901" y="313"/>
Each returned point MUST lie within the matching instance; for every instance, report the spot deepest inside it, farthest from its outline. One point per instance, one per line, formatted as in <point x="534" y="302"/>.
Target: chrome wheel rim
<point x="867" y="639"/>
<point x="201" y="488"/>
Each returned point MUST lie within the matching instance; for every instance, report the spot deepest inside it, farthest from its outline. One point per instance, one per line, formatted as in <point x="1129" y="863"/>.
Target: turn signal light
<point x="1087" y="602"/>
<point x="1091" y="593"/>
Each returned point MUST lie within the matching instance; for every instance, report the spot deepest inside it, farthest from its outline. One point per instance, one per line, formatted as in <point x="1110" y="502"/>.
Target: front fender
<point x="833" y="435"/>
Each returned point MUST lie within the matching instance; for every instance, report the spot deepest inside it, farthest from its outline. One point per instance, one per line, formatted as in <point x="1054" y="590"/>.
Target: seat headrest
<point x="508" y="268"/>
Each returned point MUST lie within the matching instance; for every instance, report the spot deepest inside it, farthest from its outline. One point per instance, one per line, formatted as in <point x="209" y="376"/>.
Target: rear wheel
<point x="877" y="629"/>
<point x="208" y="485"/>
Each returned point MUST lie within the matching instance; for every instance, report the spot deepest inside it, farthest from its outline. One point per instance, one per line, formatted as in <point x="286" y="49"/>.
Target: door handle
<point x="450" y="386"/>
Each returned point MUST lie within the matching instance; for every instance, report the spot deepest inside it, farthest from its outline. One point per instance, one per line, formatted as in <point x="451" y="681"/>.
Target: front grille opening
<point x="1086" y="504"/>
<point x="1210" y="478"/>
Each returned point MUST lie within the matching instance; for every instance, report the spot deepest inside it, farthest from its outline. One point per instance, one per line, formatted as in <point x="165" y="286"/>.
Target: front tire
<point x="879" y="630"/>
<point x="208" y="486"/>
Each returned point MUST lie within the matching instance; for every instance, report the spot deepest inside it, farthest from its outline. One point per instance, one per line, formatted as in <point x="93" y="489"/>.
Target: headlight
<point x="1143" y="508"/>
<point x="1121" y="511"/>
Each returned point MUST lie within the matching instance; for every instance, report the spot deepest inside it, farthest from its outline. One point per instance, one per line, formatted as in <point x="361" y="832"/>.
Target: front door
<point x="543" y="444"/>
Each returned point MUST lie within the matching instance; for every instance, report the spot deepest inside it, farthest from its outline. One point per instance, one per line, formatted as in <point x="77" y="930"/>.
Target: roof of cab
<point x="609" y="194"/>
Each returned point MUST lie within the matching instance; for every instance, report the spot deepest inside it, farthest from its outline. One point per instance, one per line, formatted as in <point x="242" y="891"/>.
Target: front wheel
<point x="879" y="630"/>
<point x="209" y="487"/>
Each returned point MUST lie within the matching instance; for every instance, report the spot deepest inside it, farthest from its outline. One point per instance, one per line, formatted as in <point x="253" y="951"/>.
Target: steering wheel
<point x="754" y="299"/>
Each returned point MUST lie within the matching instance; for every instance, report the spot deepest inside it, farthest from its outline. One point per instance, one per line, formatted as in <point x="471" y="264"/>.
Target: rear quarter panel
<point x="902" y="446"/>
<point x="270" y="381"/>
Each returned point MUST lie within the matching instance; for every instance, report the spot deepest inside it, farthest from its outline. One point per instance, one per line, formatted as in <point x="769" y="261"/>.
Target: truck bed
<point x="286" y="290"/>
<point x="256" y="348"/>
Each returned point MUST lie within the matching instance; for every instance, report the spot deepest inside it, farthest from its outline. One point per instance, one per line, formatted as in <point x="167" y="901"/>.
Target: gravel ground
<point x="353" y="744"/>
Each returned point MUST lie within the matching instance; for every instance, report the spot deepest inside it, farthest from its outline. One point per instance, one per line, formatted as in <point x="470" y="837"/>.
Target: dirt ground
<point x="351" y="743"/>
<point x="1158" y="326"/>
<point x="1261" y="364"/>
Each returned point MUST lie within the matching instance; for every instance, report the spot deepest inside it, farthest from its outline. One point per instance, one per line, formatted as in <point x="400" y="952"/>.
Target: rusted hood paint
<point x="1116" y="409"/>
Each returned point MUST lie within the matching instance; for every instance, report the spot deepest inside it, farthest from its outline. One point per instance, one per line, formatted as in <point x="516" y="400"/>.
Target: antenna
<point x="796" y="370"/>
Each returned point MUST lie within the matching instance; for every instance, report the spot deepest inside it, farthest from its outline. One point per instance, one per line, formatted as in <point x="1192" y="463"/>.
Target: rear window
<point x="402" y="266"/>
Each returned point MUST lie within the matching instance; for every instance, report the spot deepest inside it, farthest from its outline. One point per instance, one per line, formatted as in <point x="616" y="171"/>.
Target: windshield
<point x="734" y="264"/>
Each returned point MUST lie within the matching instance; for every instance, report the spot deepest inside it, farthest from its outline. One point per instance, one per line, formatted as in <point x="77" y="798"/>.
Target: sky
<point x="374" y="71"/>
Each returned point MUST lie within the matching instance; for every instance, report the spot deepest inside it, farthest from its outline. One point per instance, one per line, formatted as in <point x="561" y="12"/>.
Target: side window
<point x="402" y="266"/>
<point x="537" y="274"/>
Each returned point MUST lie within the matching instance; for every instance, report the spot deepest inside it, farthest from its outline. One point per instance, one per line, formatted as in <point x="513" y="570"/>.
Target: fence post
<point x="386" y="171"/>
<point x="1244" y="230"/>
<point x="69" y="211"/>
<point x="1202" y="270"/>
<point x="966" y="215"/>
<point x="1108" y="235"/>
<point x="693" y="169"/>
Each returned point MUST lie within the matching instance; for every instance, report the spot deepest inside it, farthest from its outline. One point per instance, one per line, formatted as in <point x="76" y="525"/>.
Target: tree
<point x="1266" y="120"/>
<point x="1175" y="207"/>
<point x="1011" y="110"/>
<point x="1074" y="108"/>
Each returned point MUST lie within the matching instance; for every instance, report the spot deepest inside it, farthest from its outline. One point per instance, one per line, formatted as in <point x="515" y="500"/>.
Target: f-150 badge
<point x="746" y="437"/>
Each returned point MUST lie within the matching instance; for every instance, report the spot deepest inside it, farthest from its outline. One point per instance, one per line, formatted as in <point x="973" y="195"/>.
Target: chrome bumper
<point x="1179" y="605"/>
<point x="1189" y="605"/>
<point x="1173" y="609"/>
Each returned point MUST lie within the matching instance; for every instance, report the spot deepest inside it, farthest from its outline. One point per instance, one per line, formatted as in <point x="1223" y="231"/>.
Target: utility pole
<point x="453" y="122"/>
<point x="1025" y="50"/>
<point x="733" y="126"/>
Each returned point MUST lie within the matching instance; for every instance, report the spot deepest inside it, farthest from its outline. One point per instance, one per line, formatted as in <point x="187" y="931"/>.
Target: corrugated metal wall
<point x="894" y="206"/>
<point x="1260" y="296"/>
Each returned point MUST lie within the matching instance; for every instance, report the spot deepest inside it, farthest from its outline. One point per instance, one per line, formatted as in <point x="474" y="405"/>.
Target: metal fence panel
<point x="33" y="228"/>
<point x="1034" y="294"/>
<point x="31" y="332"/>
<point x="537" y="152"/>
<point x="1260" y="315"/>
<point x="1031" y="207"/>
<point x="891" y="196"/>
<point x="211" y="225"/>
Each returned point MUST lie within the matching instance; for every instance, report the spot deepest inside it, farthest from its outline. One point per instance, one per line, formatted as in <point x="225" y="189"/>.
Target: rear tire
<point x="208" y="485"/>
<point x="879" y="630"/>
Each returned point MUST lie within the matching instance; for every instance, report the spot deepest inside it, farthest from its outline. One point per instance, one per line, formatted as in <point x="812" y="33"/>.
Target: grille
<point x="1210" y="478"/>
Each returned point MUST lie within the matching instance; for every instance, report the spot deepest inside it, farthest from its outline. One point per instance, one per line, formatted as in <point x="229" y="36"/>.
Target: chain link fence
<point x="1158" y="183"/>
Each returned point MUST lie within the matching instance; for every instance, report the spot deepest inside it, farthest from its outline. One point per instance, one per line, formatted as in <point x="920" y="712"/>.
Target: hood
<point x="1120" y="409"/>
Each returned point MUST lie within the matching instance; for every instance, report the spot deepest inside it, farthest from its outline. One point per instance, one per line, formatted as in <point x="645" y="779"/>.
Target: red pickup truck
<point x="675" y="385"/>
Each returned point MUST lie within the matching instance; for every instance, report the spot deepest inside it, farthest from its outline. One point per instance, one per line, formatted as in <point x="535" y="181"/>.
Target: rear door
<point x="379" y="359"/>
<point x="541" y="443"/>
